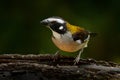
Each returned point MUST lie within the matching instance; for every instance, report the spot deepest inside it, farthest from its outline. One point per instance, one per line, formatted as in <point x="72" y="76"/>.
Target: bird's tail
<point x="93" y="34"/>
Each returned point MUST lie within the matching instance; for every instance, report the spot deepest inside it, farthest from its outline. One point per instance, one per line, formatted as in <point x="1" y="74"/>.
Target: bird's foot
<point x="76" y="61"/>
<point x="56" y="56"/>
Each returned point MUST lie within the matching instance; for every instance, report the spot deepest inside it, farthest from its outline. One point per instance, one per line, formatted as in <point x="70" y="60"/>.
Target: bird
<point x="67" y="37"/>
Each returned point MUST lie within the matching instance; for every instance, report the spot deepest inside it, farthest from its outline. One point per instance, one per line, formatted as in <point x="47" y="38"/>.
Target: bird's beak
<point x="44" y="22"/>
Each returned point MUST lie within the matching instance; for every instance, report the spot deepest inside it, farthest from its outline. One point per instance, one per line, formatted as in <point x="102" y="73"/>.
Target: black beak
<point x="44" y="22"/>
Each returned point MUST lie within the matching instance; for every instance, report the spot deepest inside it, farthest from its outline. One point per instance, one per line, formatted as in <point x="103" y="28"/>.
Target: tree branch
<point x="44" y="67"/>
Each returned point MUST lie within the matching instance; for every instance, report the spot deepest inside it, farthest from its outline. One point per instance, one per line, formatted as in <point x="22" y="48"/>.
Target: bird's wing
<point x="81" y="35"/>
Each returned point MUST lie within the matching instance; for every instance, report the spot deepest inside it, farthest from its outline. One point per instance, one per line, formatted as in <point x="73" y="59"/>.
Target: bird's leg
<point x="78" y="57"/>
<point x="56" y="55"/>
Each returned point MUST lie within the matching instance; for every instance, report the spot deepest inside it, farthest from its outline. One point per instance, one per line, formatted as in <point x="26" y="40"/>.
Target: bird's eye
<point x="60" y="28"/>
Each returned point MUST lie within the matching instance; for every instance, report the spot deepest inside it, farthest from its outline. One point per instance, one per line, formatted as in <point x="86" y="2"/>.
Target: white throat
<point x="56" y="35"/>
<point x="63" y="37"/>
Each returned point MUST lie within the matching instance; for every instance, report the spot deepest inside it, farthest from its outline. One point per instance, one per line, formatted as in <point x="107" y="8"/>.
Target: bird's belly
<point x="68" y="46"/>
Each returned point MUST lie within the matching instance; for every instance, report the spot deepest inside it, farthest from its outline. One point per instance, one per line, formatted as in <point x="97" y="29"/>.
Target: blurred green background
<point x="22" y="33"/>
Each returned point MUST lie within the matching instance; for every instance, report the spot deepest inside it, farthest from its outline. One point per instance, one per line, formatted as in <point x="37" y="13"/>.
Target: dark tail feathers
<point x="93" y="34"/>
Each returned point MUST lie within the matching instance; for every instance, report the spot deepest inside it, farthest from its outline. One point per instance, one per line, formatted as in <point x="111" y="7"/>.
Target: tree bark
<point x="46" y="67"/>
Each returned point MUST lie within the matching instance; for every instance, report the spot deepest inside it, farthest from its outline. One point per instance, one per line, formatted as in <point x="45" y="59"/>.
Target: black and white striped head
<point x="56" y="24"/>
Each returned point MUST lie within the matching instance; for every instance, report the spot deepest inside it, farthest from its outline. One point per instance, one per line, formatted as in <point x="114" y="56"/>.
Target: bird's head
<point x="56" y="24"/>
